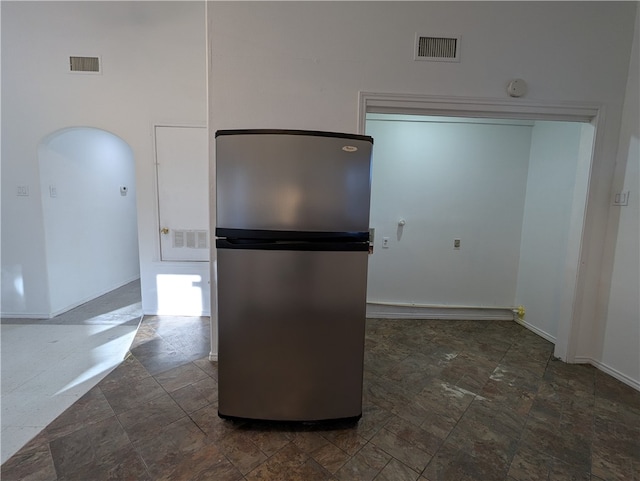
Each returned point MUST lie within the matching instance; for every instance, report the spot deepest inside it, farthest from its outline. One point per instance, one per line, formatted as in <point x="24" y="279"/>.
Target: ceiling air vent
<point x="437" y="49"/>
<point x="85" y="64"/>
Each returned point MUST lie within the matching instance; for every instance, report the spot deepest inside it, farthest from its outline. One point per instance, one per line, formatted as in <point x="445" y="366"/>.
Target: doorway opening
<point x="487" y="200"/>
<point x="88" y="185"/>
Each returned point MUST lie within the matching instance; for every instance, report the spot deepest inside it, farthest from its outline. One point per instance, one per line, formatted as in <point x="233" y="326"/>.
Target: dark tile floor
<point x="444" y="400"/>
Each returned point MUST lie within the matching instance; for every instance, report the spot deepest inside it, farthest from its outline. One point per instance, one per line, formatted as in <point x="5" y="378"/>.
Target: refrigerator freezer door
<point x="277" y="181"/>
<point x="291" y="327"/>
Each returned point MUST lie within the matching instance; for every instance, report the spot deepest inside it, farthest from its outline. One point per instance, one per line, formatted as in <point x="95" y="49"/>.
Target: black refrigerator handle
<point x="290" y="235"/>
<point x="287" y="245"/>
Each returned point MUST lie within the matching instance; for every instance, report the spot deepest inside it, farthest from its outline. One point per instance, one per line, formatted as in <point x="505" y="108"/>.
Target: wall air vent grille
<point x="437" y="49"/>
<point x="84" y="64"/>
<point x="190" y="239"/>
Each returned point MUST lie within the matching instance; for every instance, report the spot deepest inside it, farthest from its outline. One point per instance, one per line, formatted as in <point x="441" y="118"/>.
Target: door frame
<point x="574" y="302"/>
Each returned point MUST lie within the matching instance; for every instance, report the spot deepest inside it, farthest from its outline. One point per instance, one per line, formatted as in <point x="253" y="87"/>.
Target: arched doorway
<point x="87" y="180"/>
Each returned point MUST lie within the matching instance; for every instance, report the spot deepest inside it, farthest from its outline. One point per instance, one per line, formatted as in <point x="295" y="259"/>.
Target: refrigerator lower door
<point x="291" y="334"/>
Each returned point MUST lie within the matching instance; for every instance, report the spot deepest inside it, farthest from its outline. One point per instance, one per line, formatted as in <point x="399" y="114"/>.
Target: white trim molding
<point x="388" y="310"/>
<point x="635" y="384"/>
<point x="534" y="329"/>
<point x="417" y="104"/>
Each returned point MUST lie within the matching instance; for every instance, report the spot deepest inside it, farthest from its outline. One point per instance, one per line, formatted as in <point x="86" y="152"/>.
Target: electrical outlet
<point x="621" y="199"/>
<point x="456" y="244"/>
<point x="385" y="242"/>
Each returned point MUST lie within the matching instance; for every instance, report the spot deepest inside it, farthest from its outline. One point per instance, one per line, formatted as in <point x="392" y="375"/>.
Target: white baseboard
<point x="57" y="312"/>
<point x="213" y="357"/>
<point x="634" y="383"/>
<point x="381" y="311"/>
<point x="539" y="332"/>
<point x="25" y="315"/>
<point x="102" y="292"/>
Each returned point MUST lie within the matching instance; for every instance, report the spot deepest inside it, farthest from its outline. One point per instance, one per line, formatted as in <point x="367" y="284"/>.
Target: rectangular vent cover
<point x="84" y="64"/>
<point x="437" y="49"/>
<point x="190" y="239"/>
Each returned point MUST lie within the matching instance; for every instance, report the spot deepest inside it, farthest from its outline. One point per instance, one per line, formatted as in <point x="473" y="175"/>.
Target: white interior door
<point x="182" y="165"/>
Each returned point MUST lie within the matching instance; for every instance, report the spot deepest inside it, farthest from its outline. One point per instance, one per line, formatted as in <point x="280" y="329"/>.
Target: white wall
<point x="617" y="343"/>
<point x="91" y="229"/>
<point x="486" y="183"/>
<point x="448" y="179"/>
<point x="154" y="72"/>
<point x="553" y="168"/>
<point x="302" y="64"/>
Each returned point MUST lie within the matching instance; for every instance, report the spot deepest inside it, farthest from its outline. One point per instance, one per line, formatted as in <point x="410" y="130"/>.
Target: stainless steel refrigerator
<point x="292" y="233"/>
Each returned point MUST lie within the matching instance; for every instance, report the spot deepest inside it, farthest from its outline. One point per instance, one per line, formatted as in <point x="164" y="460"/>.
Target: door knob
<point x="164" y="230"/>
